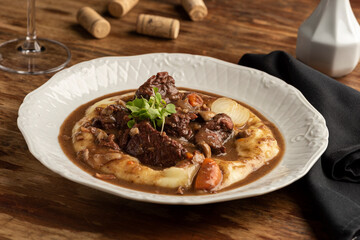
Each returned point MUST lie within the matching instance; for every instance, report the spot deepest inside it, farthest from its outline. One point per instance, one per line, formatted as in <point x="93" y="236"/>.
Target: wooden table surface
<point x="36" y="203"/>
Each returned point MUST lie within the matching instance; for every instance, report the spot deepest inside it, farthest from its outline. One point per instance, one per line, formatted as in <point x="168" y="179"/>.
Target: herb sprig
<point x="155" y="109"/>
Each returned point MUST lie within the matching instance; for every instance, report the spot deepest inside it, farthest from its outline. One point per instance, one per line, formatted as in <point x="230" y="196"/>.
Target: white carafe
<point x="329" y="40"/>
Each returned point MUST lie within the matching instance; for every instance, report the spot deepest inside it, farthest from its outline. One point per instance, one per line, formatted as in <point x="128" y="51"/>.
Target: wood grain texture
<point x="36" y="203"/>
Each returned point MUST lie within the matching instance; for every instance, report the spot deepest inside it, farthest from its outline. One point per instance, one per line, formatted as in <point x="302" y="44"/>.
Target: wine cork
<point x="118" y="8"/>
<point x="93" y="22"/>
<point x="196" y="9"/>
<point x="158" y="26"/>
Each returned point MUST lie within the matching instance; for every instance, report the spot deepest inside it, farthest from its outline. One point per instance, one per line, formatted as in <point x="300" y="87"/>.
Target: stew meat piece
<point x="113" y="116"/>
<point x="165" y="84"/>
<point x="215" y="132"/>
<point x="122" y="117"/>
<point x="152" y="147"/>
<point x="177" y="125"/>
<point x="104" y="139"/>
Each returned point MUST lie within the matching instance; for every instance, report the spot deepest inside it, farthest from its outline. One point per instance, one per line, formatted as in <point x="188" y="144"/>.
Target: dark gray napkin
<point x="334" y="182"/>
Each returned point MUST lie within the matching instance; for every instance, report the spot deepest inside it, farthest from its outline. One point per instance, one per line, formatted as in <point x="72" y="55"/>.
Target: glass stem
<point x="31" y="45"/>
<point x="31" y="29"/>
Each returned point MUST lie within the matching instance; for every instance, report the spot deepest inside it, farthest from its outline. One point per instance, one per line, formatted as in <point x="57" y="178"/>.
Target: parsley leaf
<point x="131" y="123"/>
<point x="155" y="110"/>
<point x="170" y="108"/>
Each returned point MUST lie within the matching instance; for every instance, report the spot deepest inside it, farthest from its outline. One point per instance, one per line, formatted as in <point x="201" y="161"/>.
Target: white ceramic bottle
<point x="329" y="40"/>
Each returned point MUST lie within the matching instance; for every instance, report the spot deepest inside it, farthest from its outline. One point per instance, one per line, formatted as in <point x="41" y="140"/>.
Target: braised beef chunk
<point x="123" y="138"/>
<point x="165" y="84"/>
<point x="177" y="125"/>
<point x="154" y="148"/>
<point x="122" y="117"/>
<point x="222" y="122"/>
<point x="103" y="139"/>
<point x="212" y="138"/>
<point x="113" y="116"/>
<point x="215" y="132"/>
<point x="104" y="122"/>
<point x="109" y="142"/>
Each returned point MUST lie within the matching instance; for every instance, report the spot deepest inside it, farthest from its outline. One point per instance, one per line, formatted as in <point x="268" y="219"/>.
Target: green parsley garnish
<point x="155" y="109"/>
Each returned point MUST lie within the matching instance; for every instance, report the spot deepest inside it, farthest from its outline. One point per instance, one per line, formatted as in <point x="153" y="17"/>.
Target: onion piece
<point x="238" y="114"/>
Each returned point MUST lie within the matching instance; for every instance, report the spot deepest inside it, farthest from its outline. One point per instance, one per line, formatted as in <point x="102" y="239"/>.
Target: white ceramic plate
<point x="44" y="110"/>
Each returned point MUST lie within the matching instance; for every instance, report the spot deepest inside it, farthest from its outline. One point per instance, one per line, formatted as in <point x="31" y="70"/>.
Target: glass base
<point x="51" y="56"/>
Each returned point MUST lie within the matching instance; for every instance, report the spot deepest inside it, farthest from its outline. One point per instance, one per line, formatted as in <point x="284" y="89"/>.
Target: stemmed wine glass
<point x="32" y="55"/>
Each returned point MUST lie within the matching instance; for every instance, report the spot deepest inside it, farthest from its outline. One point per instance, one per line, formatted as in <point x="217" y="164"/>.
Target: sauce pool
<point x="67" y="146"/>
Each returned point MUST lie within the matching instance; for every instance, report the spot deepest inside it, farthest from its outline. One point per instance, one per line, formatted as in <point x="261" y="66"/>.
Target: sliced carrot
<point x="195" y="100"/>
<point x="209" y="175"/>
<point x="189" y="155"/>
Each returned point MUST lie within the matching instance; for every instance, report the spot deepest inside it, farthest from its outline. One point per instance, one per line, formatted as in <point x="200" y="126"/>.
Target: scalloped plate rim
<point x="176" y="200"/>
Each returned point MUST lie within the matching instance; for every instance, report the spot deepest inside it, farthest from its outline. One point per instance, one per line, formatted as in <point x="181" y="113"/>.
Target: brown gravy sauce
<point x="77" y="114"/>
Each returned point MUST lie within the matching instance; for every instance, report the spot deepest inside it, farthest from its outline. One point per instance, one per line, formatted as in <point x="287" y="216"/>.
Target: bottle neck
<point x="340" y="2"/>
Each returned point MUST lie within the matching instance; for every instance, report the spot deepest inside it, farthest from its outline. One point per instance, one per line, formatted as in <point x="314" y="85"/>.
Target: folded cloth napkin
<point x="334" y="182"/>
